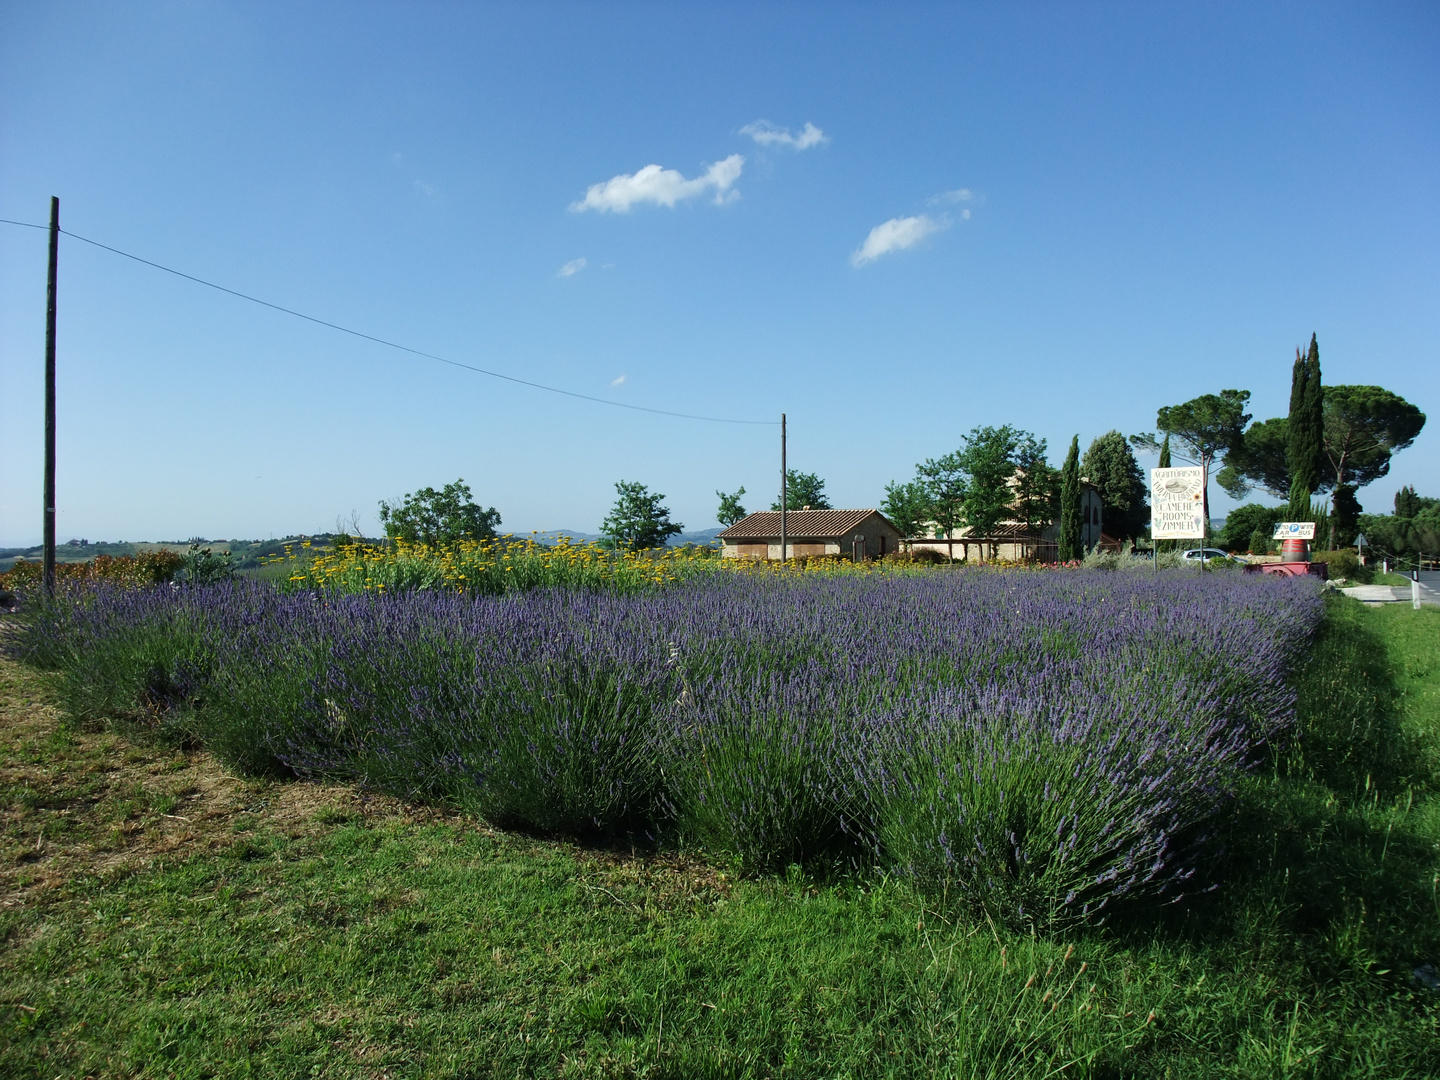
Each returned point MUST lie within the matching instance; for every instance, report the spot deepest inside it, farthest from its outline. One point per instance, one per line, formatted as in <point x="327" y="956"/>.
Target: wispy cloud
<point x="896" y="235"/>
<point x="571" y="268"/>
<point x="665" y="187"/>
<point x="767" y="134"/>
<point x="618" y="380"/>
<point x="959" y="195"/>
<point x="900" y="233"/>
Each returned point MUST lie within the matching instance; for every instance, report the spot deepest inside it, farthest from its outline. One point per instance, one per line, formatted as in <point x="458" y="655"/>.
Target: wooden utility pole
<point x="49" y="569"/>
<point x="784" y="497"/>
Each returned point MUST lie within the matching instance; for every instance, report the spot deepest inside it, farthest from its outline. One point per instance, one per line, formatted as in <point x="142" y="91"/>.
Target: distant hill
<point x="704" y="536"/>
<point x="550" y="536"/>
<point x="247" y="554"/>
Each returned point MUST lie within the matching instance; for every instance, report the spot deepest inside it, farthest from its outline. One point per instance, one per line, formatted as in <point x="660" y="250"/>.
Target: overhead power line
<point x="393" y="344"/>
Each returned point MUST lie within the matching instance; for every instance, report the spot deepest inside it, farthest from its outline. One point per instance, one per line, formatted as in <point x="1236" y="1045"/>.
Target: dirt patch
<point x="77" y="803"/>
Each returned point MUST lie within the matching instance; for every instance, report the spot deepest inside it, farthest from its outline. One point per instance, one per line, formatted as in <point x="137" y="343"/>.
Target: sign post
<point x="1294" y="537"/>
<point x="1177" y="507"/>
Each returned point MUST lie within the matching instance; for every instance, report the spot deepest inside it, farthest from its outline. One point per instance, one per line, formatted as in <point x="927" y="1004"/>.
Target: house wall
<point x="1005" y="550"/>
<point x="873" y="529"/>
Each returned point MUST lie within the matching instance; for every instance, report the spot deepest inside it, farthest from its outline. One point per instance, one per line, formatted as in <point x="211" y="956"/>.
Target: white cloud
<point x="571" y="268"/>
<point x="428" y="190"/>
<point x="896" y="235"/>
<point x="959" y="195"/>
<point x="767" y="134"/>
<point x="617" y="381"/>
<point x="664" y="187"/>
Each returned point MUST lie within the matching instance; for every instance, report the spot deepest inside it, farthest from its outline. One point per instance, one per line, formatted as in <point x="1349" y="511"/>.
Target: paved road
<point x="1385" y="594"/>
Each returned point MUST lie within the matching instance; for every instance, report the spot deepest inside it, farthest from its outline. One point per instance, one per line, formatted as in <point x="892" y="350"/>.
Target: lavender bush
<point x="1041" y="743"/>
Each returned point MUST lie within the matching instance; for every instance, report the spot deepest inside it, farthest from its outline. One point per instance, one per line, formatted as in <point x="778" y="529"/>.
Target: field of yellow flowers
<point x="514" y="564"/>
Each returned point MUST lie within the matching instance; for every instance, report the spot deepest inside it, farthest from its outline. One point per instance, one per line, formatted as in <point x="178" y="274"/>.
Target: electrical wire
<point x="396" y="345"/>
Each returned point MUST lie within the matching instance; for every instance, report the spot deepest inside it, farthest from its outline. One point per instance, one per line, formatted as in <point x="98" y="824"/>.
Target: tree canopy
<point x="1262" y="459"/>
<point x="907" y="506"/>
<point x="1364" y="427"/>
<point x="1207" y="428"/>
<point x="943" y="480"/>
<point x="638" y="519"/>
<point x="1411" y="504"/>
<point x="1242" y="523"/>
<point x="438" y="518"/>
<point x="730" y="509"/>
<point x="971" y="485"/>
<point x="1110" y="465"/>
<point x="1036" y="489"/>
<point x="802" y="490"/>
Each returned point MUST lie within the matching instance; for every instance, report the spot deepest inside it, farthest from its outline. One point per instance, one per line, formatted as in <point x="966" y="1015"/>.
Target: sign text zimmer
<point x="1177" y="503"/>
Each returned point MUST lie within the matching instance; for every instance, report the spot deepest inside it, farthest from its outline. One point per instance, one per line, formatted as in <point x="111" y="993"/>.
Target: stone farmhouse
<point x="852" y="534"/>
<point x="1011" y="541"/>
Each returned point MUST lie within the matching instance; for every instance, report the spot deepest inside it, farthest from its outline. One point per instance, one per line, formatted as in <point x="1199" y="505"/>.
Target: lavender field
<point x="1042" y="744"/>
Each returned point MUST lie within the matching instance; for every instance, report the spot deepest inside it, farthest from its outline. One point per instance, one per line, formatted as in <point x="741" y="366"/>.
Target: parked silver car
<point x="1194" y="554"/>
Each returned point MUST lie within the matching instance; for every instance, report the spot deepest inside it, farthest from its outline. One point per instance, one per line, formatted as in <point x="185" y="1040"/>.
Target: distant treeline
<point x="245" y="554"/>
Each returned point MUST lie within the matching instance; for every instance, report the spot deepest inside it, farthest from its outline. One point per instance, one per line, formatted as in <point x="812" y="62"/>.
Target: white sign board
<point x="1177" y="503"/>
<point x="1294" y="530"/>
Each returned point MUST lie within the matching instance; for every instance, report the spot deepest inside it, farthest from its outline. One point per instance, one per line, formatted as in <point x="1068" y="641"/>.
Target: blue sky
<point x="1058" y="216"/>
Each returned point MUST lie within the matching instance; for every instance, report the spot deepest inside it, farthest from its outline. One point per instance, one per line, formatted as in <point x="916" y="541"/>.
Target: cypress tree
<point x="1072" y="544"/>
<point x="1306" y="445"/>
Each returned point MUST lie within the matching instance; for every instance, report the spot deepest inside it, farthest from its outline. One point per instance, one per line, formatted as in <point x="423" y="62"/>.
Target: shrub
<point x="25" y="577"/>
<point x="1042" y="744"/>
<point x="1343" y="563"/>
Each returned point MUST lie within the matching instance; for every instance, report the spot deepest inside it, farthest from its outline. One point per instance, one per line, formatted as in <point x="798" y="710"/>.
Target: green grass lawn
<point x="162" y="919"/>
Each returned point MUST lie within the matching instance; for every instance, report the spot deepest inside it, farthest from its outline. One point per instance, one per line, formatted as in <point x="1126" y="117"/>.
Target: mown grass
<point x="161" y="919"/>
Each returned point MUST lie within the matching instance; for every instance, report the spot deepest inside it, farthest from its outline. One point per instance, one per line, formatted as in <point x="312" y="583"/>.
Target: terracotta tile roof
<point x="800" y="524"/>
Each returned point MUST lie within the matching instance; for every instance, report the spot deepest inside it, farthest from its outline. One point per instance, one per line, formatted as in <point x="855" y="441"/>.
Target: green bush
<point x="1343" y="563"/>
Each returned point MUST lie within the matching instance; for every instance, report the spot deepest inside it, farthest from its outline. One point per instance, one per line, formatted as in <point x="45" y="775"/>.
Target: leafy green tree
<point x="987" y="461"/>
<point x="638" y="520"/>
<point x="1164" y="462"/>
<point x="438" y="518"/>
<point x="1400" y="539"/>
<point x="1072" y="544"/>
<point x="1110" y="465"/>
<point x="1244" y="522"/>
<point x="907" y="506"/>
<point x="1365" y="426"/>
<point x="1305" y="448"/>
<point x="1345" y="510"/>
<point x="1207" y="427"/>
<point x="1036" y="487"/>
<point x="1410" y="504"/>
<point x="802" y="490"/>
<point x="944" y="480"/>
<point x="1262" y="459"/>
<point x="730" y="509"/>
